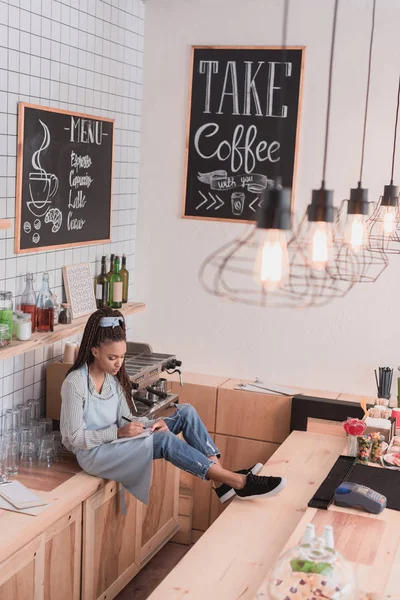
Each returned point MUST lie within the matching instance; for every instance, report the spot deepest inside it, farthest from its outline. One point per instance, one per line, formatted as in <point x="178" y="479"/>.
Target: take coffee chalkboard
<point x="241" y="135"/>
<point x="64" y="179"/>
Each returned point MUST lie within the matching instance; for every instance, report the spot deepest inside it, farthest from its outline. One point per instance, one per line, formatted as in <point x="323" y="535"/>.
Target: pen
<point x="127" y="420"/>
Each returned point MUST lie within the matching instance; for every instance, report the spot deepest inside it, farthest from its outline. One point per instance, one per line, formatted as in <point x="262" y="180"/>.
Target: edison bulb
<point x="320" y="244"/>
<point x="389" y="214"/>
<point x="272" y="263"/>
<point x="355" y="233"/>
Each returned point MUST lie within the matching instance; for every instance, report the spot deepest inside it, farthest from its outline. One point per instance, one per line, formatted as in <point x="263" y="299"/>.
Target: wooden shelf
<point x="60" y="333"/>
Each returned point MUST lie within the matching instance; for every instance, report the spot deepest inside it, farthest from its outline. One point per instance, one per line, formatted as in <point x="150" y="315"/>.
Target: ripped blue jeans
<point x="192" y="456"/>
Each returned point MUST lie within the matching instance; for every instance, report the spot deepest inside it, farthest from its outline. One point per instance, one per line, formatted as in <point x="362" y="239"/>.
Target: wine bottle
<point x="116" y="286"/>
<point x="125" y="279"/>
<point x="102" y="286"/>
<point x="111" y="271"/>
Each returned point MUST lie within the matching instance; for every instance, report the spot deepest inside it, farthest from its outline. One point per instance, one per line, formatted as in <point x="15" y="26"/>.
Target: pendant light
<point x="254" y="268"/>
<point x="384" y="223"/>
<point x="353" y="261"/>
<point x="311" y="248"/>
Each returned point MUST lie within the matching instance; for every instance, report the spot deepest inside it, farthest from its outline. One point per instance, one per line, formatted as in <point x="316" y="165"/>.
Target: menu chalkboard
<point x="242" y="132"/>
<point x="64" y="179"/>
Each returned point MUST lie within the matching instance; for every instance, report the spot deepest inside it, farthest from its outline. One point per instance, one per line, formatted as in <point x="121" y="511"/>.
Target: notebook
<point x="146" y="433"/>
<point x="20" y="496"/>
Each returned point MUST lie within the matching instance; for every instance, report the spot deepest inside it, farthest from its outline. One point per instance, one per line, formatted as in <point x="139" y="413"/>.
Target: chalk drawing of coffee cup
<point x="43" y="186"/>
<point x="237" y="199"/>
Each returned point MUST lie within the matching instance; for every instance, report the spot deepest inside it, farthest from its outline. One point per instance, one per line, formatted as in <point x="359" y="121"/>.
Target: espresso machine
<point x="149" y="389"/>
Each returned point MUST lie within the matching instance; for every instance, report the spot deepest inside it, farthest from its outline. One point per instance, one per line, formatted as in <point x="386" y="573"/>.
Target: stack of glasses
<point x="26" y="440"/>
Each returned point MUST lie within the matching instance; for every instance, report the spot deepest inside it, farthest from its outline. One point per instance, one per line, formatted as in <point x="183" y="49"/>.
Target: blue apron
<point x="129" y="463"/>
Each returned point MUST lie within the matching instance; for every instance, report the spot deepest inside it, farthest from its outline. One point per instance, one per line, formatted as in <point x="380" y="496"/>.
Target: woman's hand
<point x="159" y="425"/>
<point x="130" y="430"/>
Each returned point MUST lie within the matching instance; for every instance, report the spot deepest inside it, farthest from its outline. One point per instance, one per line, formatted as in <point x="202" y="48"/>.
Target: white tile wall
<point x="85" y="56"/>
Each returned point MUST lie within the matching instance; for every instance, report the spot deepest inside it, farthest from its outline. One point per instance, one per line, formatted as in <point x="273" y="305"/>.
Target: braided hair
<point x="94" y="336"/>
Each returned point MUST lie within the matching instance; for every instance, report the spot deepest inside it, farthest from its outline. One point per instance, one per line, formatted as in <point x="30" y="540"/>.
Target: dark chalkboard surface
<point x="235" y="116"/>
<point x="64" y="179"/>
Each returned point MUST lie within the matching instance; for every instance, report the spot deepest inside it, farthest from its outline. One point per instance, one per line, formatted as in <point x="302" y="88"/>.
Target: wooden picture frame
<point x="52" y="210"/>
<point x="79" y="289"/>
<point x="214" y="207"/>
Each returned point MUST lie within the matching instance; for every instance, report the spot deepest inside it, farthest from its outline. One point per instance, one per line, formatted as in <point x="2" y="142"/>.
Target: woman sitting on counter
<point x="97" y="410"/>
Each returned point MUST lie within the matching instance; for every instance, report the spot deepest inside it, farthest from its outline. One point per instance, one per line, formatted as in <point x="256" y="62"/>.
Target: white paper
<point x="146" y="433"/>
<point x="268" y="388"/>
<point x="33" y="511"/>
<point x="20" y="496"/>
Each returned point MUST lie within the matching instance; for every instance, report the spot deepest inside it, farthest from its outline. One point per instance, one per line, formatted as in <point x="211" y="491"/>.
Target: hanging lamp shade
<point x="353" y="261"/>
<point x="384" y="223"/>
<point x="255" y="267"/>
<point x="311" y="254"/>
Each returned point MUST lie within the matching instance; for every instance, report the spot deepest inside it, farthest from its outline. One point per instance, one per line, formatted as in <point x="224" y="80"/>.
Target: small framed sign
<point x="242" y="129"/>
<point x="78" y="283"/>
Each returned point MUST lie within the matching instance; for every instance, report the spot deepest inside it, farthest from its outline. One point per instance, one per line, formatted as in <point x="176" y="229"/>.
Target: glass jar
<point x="309" y="568"/>
<point x="16" y="315"/>
<point x="5" y="337"/>
<point x="6" y="310"/>
<point x="65" y="317"/>
<point x="24" y="327"/>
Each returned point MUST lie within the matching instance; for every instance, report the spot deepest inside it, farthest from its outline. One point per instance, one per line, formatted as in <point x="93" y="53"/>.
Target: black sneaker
<point x="225" y="492"/>
<point x="258" y="486"/>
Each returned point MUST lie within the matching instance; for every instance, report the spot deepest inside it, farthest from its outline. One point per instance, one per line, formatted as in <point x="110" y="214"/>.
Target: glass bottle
<point x="116" y="286"/>
<point x="111" y="271"/>
<point x="28" y="299"/>
<point x="125" y="279"/>
<point x="102" y="286"/>
<point x="6" y="310"/>
<point x="45" y="307"/>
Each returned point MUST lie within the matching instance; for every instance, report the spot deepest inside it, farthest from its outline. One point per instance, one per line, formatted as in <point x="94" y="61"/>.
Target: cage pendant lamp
<point x="353" y="261"/>
<point x="254" y="267"/>
<point x="311" y="248"/>
<point x="383" y="225"/>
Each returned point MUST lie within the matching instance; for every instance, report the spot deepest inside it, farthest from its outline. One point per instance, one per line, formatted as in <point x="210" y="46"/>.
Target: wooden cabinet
<point x="159" y="519"/>
<point x="201" y="392"/>
<point x="111" y="544"/>
<point x="62" y="567"/>
<point x="22" y="575"/>
<point x="252" y="415"/>
<point x="239" y="453"/>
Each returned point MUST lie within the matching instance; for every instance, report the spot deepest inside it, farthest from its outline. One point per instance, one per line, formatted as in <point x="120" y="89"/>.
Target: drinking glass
<point x="8" y="420"/>
<point x="46" y="452"/>
<point x="12" y="452"/>
<point x="48" y="425"/>
<point x="28" y="455"/>
<point x="37" y="432"/>
<point x="35" y="409"/>
<point x="28" y="449"/>
<point x="25" y="414"/>
<point x="3" y="470"/>
<point x="16" y="419"/>
<point x="57" y="441"/>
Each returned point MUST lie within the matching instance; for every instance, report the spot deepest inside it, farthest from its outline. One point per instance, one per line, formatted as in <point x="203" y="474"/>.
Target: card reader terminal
<point x="353" y="495"/>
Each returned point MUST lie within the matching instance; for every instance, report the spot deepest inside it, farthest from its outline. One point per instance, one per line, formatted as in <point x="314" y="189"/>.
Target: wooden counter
<point x="82" y="547"/>
<point x="233" y="558"/>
